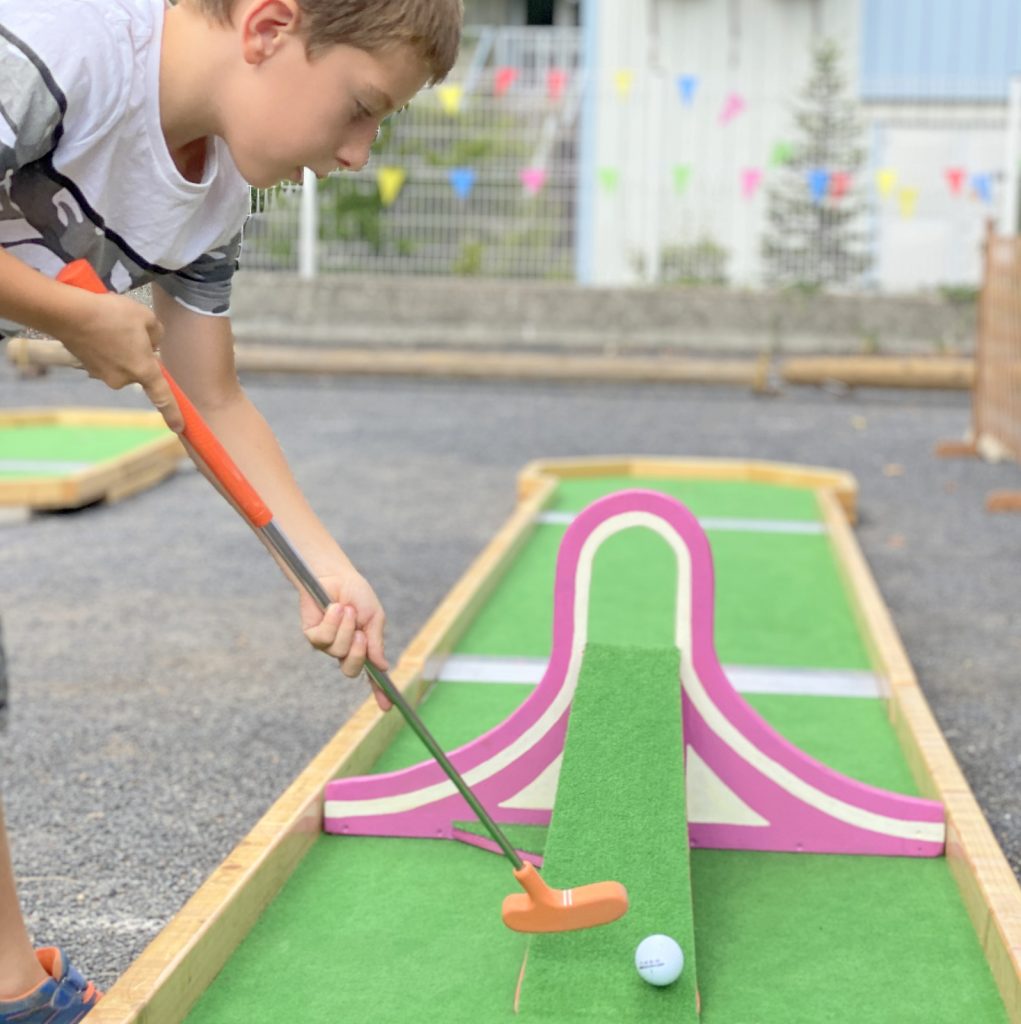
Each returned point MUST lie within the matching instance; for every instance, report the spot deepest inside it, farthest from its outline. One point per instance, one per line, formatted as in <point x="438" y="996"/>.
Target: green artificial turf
<point x="779" y="599"/>
<point x="803" y="939"/>
<point x="70" y="443"/>
<point x="619" y="816"/>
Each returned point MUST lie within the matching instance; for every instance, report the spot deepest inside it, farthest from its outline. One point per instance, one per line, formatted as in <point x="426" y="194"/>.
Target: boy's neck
<point x="188" y="67"/>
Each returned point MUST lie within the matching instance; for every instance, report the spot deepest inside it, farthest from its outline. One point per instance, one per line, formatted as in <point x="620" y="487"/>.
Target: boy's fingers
<point x="158" y="392"/>
<point x="354" y="662"/>
<point x="374" y="635"/>
<point x="323" y="632"/>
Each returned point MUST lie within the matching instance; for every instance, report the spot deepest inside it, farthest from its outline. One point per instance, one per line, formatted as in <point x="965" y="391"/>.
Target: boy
<point x="129" y="135"/>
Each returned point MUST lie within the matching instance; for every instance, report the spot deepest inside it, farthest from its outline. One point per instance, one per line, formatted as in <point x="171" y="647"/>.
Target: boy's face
<point x="322" y="113"/>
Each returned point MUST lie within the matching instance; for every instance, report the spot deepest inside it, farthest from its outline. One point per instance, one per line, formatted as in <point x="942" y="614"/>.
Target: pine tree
<point x="813" y="240"/>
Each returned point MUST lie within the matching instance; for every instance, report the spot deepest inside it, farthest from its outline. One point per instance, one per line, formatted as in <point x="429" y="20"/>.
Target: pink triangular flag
<point x="733" y="105"/>
<point x="556" y="82"/>
<point x="503" y="79"/>
<point x="955" y="179"/>
<point x="751" y="178"/>
<point x="533" y="178"/>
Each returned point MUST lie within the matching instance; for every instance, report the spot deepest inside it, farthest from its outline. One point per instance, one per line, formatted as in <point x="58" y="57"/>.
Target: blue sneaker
<point x="64" y="998"/>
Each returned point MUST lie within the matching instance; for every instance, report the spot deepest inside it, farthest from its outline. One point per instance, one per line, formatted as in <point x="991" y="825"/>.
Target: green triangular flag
<point x="682" y="172"/>
<point x="609" y="178"/>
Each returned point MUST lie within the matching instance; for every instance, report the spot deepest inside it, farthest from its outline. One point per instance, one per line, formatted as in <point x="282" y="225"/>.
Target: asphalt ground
<point x="162" y="695"/>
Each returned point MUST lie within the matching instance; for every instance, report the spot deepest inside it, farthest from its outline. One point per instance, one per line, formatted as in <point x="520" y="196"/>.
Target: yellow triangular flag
<point x="623" y="80"/>
<point x="390" y="181"/>
<point x="886" y="181"/>
<point x="908" y="200"/>
<point x="450" y="98"/>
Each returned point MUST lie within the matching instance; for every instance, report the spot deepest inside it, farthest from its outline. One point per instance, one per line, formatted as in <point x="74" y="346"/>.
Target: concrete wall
<point x="466" y="312"/>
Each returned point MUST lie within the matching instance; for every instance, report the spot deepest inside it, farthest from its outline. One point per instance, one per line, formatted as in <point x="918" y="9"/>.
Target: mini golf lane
<point x="376" y="929"/>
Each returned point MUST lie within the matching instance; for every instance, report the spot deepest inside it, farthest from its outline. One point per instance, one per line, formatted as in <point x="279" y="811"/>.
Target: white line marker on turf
<point x="722" y="523"/>
<point x="789" y="682"/>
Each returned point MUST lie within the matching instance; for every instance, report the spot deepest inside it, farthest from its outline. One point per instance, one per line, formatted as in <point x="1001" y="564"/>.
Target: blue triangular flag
<point x="983" y="186"/>
<point x="462" y="181"/>
<point x="818" y="183"/>
<point x="687" y="85"/>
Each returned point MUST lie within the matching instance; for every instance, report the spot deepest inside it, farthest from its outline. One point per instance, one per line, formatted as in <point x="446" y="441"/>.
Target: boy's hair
<point x="430" y="27"/>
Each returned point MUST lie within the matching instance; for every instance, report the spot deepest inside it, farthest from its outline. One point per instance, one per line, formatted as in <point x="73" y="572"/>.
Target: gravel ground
<point x="162" y="696"/>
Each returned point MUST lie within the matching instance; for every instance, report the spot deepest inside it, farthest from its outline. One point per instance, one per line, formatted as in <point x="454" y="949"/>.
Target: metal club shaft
<point x="278" y="541"/>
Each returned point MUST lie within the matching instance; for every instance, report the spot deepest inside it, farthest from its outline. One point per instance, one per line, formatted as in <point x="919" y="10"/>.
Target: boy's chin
<point x="271" y="178"/>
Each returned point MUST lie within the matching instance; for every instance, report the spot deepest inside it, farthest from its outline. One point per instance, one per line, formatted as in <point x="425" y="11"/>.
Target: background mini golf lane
<point x="392" y="930"/>
<point x="63" y="443"/>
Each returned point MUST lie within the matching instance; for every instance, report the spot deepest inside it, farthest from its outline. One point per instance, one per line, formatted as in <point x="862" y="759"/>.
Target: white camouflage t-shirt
<point x="84" y="169"/>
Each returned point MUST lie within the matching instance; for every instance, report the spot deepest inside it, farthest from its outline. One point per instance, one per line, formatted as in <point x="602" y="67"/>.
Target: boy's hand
<point x="116" y="340"/>
<point x="351" y="630"/>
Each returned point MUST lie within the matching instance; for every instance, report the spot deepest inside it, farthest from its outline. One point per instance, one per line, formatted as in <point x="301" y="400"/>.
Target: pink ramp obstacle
<point x="748" y="787"/>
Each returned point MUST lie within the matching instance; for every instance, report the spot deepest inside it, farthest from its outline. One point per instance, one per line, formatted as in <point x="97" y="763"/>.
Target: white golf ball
<point x="659" y="960"/>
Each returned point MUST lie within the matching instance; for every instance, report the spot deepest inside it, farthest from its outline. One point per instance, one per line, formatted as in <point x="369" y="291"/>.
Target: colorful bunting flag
<point x="503" y="79"/>
<point x="682" y="174"/>
<point x="982" y="184"/>
<point x="907" y="198"/>
<point x="450" y="98"/>
<point x="886" y="181"/>
<point x="390" y="181"/>
<point x="623" y="80"/>
<point x="840" y="184"/>
<point x="533" y="179"/>
<point x="687" y="86"/>
<point x="556" y="83"/>
<point x="462" y="181"/>
<point x="818" y="183"/>
<point x="783" y="153"/>
<point x="751" y="179"/>
<point x="733" y="105"/>
<point x="609" y="178"/>
<point x="955" y="179"/>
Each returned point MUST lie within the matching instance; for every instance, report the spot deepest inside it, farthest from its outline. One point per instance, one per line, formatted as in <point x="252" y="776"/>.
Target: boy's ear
<point x="264" y="25"/>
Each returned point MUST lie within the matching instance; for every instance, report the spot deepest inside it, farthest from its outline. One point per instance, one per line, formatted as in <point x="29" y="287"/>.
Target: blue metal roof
<point x="939" y="49"/>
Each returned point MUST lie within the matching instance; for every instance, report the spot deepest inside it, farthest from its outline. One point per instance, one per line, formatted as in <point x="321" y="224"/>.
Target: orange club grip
<point x="196" y="431"/>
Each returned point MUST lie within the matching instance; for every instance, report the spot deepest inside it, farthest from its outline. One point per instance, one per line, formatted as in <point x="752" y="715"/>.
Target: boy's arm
<point x="199" y="352"/>
<point x="113" y="337"/>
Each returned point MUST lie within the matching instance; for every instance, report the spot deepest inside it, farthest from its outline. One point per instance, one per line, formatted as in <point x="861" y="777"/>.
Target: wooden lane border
<point x="164" y="983"/>
<point x="109" y="480"/>
<point x="988" y="887"/>
<point x="759" y="373"/>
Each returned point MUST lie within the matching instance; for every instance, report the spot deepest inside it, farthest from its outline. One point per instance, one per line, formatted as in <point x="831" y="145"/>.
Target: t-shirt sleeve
<point x="204" y="285"/>
<point x="48" y="87"/>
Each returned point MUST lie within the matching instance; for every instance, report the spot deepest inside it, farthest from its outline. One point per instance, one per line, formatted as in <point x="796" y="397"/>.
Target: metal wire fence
<point x="477" y="176"/>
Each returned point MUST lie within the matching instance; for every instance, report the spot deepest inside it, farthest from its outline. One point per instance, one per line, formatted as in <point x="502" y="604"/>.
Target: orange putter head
<point x="543" y="909"/>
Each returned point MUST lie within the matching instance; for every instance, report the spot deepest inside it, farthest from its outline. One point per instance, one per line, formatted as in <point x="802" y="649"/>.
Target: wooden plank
<point x="1003" y="501"/>
<point x="950" y="372"/>
<point x="32" y="353"/>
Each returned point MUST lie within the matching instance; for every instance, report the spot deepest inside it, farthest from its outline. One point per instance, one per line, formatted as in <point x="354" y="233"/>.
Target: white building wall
<point x="756" y="49"/>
